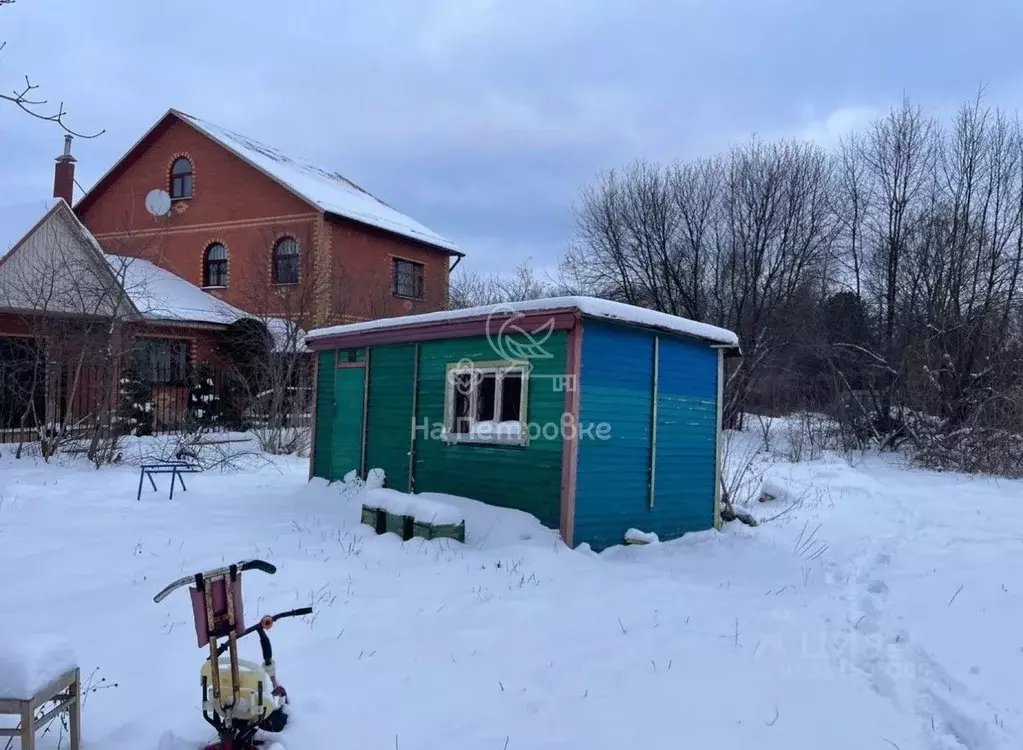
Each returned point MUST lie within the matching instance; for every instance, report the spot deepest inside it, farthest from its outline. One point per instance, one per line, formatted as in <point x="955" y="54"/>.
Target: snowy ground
<point x="880" y="607"/>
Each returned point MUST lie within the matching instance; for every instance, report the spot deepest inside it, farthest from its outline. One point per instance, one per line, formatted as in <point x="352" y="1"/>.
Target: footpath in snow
<point x="875" y="607"/>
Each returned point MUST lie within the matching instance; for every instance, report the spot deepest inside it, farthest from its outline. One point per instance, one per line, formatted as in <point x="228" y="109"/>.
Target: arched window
<point x="286" y="261"/>
<point x="215" y="266"/>
<point x="181" y="178"/>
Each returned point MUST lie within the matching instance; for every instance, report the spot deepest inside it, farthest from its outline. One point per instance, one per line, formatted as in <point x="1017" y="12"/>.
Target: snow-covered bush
<point x="352" y="484"/>
<point x="136" y="406"/>
<point x="975" y="450"/>
<point x="203" y="399"/>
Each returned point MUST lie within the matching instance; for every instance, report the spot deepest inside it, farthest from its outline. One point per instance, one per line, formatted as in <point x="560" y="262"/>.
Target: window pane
<point x="216" y="273"/>
<point x="462" y="386"/>
<point x="408" y="279"/>
<point x="181" y="179"/>
<point x="216" y="265"/>
<point x="511" y="397"/>
<point x="160" y="361"/>
<point x="179" y="361"/>
<point x="140" y="360"/>
<point x="486" y="390"/>
<point x="286" y="261"/>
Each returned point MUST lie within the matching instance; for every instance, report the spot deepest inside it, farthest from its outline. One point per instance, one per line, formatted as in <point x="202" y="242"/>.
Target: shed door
<point x="349" y="402"/>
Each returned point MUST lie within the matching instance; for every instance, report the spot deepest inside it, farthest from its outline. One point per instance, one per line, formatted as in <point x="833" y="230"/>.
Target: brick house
<point x="247" y="222"/>
<point x="250" y="235"/>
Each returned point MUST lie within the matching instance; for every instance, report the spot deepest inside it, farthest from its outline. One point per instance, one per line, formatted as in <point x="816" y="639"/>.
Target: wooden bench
<point x="65" y="692"/>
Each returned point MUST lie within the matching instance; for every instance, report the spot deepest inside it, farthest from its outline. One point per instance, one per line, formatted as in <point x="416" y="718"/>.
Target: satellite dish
<point x="158" y="202"/>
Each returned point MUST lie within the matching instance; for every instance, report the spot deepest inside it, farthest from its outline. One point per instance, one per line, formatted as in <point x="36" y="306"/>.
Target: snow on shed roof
<point x="588" y="306"/>
<point x="331" y="191"/>
<point x="160" y="295"/>
<point x="17" y="219"/>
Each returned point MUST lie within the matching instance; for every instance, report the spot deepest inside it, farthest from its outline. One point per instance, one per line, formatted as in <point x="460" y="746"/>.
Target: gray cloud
<point x="483" y="118"/>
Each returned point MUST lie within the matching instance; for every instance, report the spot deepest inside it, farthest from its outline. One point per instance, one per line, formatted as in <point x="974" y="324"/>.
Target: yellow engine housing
<point x="255" y="691"/>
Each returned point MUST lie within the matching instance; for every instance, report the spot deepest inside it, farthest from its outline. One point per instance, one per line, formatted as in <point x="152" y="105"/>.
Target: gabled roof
<point x="18" y="219"/>
<point x="541" y="311"/>
<point x="156" y="294"/>
<point x="323" y="189"/>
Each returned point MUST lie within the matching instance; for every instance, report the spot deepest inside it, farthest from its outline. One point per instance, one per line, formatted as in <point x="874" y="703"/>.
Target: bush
<point x="136" y="406"/>
<point x="203" y="400"/>
<point x="975" y="450"/>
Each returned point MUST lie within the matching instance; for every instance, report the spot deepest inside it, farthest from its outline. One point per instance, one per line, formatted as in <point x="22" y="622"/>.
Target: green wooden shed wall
<point x="406" y="392"/>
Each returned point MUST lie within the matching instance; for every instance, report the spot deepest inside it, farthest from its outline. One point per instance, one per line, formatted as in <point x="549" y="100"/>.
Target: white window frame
<point x="477" y="370"/>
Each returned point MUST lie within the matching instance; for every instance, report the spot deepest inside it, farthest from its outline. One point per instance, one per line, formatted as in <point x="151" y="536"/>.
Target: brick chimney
<point x="64" y="174"/>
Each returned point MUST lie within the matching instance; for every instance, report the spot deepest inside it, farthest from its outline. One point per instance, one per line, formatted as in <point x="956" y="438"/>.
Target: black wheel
<point x="275" y="722"/>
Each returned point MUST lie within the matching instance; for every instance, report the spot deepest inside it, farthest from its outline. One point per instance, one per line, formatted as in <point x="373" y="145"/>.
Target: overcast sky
<point x="483" y="118"/>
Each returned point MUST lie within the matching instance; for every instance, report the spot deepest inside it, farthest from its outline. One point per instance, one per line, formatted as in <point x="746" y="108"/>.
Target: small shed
<point x="594" y="416"/>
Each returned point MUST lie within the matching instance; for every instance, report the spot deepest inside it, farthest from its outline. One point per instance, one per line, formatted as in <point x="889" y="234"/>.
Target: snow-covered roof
<point x="160" y="295"/>
<point x="331" y="191"/>
<point x="588" y="306"/>
<point x="16" y="219"/>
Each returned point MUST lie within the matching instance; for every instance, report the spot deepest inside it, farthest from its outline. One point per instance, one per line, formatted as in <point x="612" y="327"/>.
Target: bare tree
<point x="286" y="292"/>
<point x="879" y="284"/>
<point x="474" y="289"/>
<point x="73" y="303"/>
<point x="725" y="240"/>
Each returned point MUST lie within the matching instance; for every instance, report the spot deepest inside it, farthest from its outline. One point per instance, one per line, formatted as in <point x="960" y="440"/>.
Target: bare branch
<point x="25" y="98"/>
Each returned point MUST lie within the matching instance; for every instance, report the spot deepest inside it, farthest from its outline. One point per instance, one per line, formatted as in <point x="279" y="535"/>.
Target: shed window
<point x="181" y="178"/>
<point x="215" y="266"/>
<point x="487" y="403"/>
<point x="161" y="361"/>
<point x="408" y="279"/>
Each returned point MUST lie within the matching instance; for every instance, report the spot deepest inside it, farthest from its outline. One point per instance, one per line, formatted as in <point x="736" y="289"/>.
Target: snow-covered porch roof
<point x="162" y="297"/>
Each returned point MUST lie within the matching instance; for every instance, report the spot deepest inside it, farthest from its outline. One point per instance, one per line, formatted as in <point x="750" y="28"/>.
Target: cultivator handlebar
<point x="238" y="567"/>
<point x="265" y="623"/>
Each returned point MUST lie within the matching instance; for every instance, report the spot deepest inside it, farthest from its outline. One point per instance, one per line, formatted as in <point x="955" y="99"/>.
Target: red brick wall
<point x="363" y="287"/>
<point x="232" y="204"/>
<point x="245" y="211"/>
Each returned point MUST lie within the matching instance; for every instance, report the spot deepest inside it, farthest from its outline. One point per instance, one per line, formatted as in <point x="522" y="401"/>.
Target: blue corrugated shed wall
<point x="613" y="484"/>
<point x="686" y="438"/>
